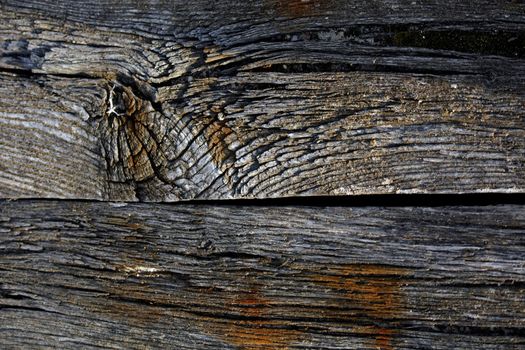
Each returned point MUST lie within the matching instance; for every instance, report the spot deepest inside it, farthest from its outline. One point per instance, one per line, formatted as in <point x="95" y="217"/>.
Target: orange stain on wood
<point x="125" y="223"/>
<point x="383" y="340"/>
<point x="301" y="8"/>
<point x="370" y="294"/>
<point x="254" y="330"/>
<point x="215" y="135"/>
<point x="374" y="290"/>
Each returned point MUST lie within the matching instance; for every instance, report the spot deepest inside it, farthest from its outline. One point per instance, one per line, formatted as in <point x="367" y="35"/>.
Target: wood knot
<point x="130" y="136"/>
<point x="123" y="105"/>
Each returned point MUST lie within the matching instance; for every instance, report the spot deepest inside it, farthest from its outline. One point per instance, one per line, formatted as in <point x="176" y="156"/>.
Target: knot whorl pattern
<point x="132" y="131"/>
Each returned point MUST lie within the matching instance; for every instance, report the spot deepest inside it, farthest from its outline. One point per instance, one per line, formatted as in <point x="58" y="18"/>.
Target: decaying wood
<point x="80" y="274"/>
<point x="170" y="100"/>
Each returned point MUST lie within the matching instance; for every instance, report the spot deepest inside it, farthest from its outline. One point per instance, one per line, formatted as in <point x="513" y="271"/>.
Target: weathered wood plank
<point x="47" y="145"/>
<point x="146" y="276"/>
<point x="265" y="99"/>
<point x="399" y="135"/>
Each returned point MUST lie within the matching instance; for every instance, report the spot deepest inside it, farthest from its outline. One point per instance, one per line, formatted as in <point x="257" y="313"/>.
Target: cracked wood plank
<point x="141" y="276"/>
<point x="184" y="100"/>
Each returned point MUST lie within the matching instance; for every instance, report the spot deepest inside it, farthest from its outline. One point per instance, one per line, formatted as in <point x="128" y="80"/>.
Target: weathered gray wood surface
<point x="170" y="100"/>
<point x="135" y="276"/>
<point x="174" y="100"/>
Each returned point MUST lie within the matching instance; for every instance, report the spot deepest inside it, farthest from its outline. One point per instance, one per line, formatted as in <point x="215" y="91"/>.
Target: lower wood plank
<point x="140" y="276"/>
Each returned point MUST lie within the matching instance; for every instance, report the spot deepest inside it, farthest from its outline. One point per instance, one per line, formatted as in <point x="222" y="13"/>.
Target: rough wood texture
<point x="175" y="100"/>
<point x="171" y="100"/>
<point x="78" y="274"/>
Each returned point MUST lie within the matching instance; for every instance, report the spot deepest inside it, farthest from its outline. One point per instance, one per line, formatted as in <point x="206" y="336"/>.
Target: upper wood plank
<point x="230" y="99"/>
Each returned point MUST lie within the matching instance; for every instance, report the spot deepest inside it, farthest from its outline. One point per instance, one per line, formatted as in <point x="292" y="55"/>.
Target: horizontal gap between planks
<point x="379" y="200"/>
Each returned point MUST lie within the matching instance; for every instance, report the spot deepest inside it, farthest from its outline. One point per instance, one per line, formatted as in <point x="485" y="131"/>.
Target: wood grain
<point x="47" y="145"/>
<point x="184" y="100"/>
<point x="135" y="276"/>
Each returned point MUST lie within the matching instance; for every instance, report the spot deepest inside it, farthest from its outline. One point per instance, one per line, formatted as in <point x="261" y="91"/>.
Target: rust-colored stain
<point x="373" y="290"/>
<point x="256" y="332"/>
<point x="300" y="8"/>
<point x="125" y="223"/>
<point x="215" y="135"/>
<point x="249" y="312"/>
<point x="135" y="305"/>
<point x="384" y="338"/>
<point x="359" y="292"/>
